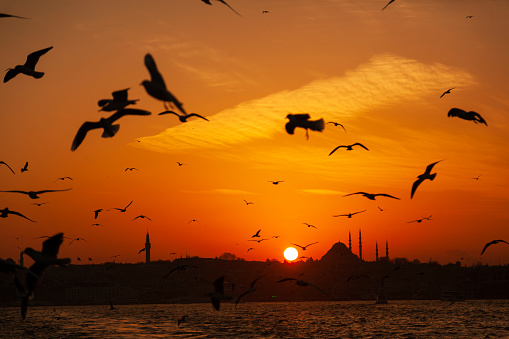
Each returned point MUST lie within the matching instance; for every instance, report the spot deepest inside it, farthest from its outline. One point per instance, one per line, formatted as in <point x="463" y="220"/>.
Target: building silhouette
<point x="360" y="245"/>
<point x="147" y="249"/>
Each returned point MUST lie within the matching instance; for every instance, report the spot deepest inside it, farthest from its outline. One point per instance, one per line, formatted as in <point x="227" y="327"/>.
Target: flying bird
<point x="156" y="87"/>
<point x="183" y="117"/>
<point x="96" y="212"/>
<point x="257" y="234"/>
<point x="118" y="102"/>
<point x="249" y="249"/>
<point x="63" y="178"/>
<point x="180" y="164"/>
<point x="419" y="220"/>
<point x="337" y="124"/>
<point x="426" y="175"/>
<point x="301" y="283"/>
<point x="304" y="247"/>
<point x="248" y="202"/>
<point x="3" y="15"/>
<point x="251" y="289"/>
<point x="447" y="92"/>
<point x="477" y="178"/>
<point x="96" y="224"/>
<point x="122" y="209"/>
<point x="194" y="220"/>
<point x="349" y="147"/>
<point x="390" y="2"/>
<point x="348" y="215"/>
<point x="471" y="115"/>
<point x="309" y="225"/>
<point x="47" y="257"/>
<point x="492" y="243"/>
<point x="142" y="250"/>
<point x="24" y="168"/>
<point x="302" y="121"/>
<point x="5" y="213"/>
<point x="372" y="196"/>
<point x="218" y="293"/>
<point x="29" y="67"/>
<point x="179" y="268"/>
<point x="142" y="217"/>
<point x="34" y="194"/>
<point x="275" y="182"/>
<point x="109" y="130"/>
<point x="130" y="169"/>
<point x="259" y="240"/>
<point x="4" y="163"/>
<point x="77" y="239"/>
<point x="222" y="1"/>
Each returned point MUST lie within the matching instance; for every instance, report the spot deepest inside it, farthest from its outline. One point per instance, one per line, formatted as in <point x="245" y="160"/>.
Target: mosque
<point x="360" y="247"/>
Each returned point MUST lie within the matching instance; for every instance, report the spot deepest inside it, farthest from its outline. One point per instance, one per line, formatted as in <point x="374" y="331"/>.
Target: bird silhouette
<point x="96" y="212"/>
<point x="304" y="247"/>
<point x="251" y="289"/>
<point x="447" y="92"/>
<point x="4" y="163"/>
<point x="259" y="240"/>
<point x="426" y="175"/>
<point x="142" y="250"/>
<point x="118" y="102"/>
<point x="130" y="169"/>
<point x="337" y="124"/>
<point x="63" y="178"/>
<point x="302" y="121"/>
<point x="194" y="220"/>
<point x="309" y="225"/>
<point x="248" y="202"/>
<point x="29" y="67"/>
<point x="419" y="220"/>
<point x="249" y="249"/>
<point x="156" y="87"/>
<point x="218" y="293"/>
<point x="180" y="164"/>
<point x="109" y="130"/>
<point x="222" y="1"/>
<point x="183" y="117"/>
<point x="349" y="147"/>
<point x="47" y="257"/>
<point x="275" y="182"/>
<point x="179" y="268"/>
<point x="301" y="283"/>
<point x="34" y="194"/>
<point x="390" y="2"/>
<point x="257" y="234"/>
<point x="39" y="203"/>
<point x="348" y="215"/>
<point x="3" y="15"/>
<point x="24" y="168"/>
<point x="142" y="217"/>
<point x="77" y="239"/>
<point x="492" y="243"/>
<point x="96" y="224"/>
<point x="372" y="196"/>
<point x="122" y="209"/>
<point x="6" y="211"/>
<point x="471" y="115"/>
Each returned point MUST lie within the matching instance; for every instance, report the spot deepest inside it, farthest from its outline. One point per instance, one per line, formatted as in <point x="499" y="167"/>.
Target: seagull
<point x="469" y="16"/>
<point x="249" y="249"/>
<point x="390" y="2"/>
<point x="96" y="212"/>
<point x="250" y="290"/>
<point x="248" y="202"/>
<point x="337" y="124"/>
<point x="419" y="220"/>
<point x="381" y="210"/>
<point x="34" y="194"/>
<point x="63" y="178"/>
<point x="47" y="257"/>
<point x="259" y="241"/>
<point x="492" y="243"/>
<point x="477" y="178"/>
<point x="4" y="163"/>
<point x="183" y="117"/>
<point x="309" y="225"/>
<point x="349" y="147"/>
<point x="3" y="15"/>
<point x="471" y="115"/>
<point x="265" y="12"/>
<point x="182" y="320"/>
<point x="29" y="67"/>
<point x="304" y="247"/>
<point x="302" y="121"/>
<point x="77" y="239"/>
<point x="447" y="92"/>
<point x="348" y="215"/>
<point x="142" y="250"/>
<point x="142" y="217"/>
<point x="372" y="196"/>
<point x="118" y="102"/>
<point x="5" y="212"/>
<point x="222" y="1"/>
<point x="180" y="164"/>
<point x="193" y="220"/>
<point x="130" y="169"/>
<point x="39" y="203"/>
<point x="109" y="130"/>
<point x="97" y="224"/>
<point x="156" y="87"/>
<point x="275" y="182"/>
<point x="25" y="168"/>
<point x="179" y="268"/>
<point x="218" y="293"/>
<point x="426" y="175"/>
<point x="122" y="209"/>
<point x="257" y="234"/>
<point x="301" y="283"/>
<point x="9" y="266"/>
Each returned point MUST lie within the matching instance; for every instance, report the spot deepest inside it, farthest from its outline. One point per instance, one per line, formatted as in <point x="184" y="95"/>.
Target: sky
<point x="378" y="73"/>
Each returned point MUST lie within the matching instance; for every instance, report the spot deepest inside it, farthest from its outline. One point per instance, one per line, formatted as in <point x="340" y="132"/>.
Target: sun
<point x="291" y="254"/>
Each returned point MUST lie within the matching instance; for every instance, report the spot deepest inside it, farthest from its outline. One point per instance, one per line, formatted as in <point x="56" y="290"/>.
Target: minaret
<point x="21" y="259"/>
<point x="349" y="241"/>
<point x="376" y="251"/>
<point x="386" y="250"/>
<point x="360" y="245"/>
<point x="147" y="249"/>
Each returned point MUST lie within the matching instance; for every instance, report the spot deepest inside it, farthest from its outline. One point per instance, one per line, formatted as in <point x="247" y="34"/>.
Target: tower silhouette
<point x="387" y="250"/>
<point x="360" y="245"/>
<point x="147" y="249"/>
<point x="349" y="241"/>
<point x="376" y="251"/>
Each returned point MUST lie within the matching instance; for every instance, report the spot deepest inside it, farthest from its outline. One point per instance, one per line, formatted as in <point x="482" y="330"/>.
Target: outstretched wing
<point x="120" y="95"/>
<point x="414" y="186"/>
<point x="155" y="76"/>
<point x="82" y="133"/>
<point x="51" y="246"/>
<point x="286" y="279"/>
<point x="11" y="73"/>
<point x="127" y="111"/>
<point x="4" y="163"/>
<point x="229" y="7"/>
<point x="21" y="215"/>
<point x="33" y="58"/>
<point x="197" y="115"/>
<point x="359" y="144"/>
<point x="388" y="196"/>
<point x="455" y="112"/>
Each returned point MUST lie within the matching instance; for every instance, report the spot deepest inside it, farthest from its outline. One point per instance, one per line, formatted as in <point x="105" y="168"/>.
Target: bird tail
<point x="110" y="131"/>
<point x="38" y="75"/>
<point x="290" y="127"/>
<point x="317" y="125"/>
<point x="432" y="176"/>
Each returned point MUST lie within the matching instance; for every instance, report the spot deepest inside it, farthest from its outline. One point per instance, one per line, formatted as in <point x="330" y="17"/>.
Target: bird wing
<point x="46" y="191"/>
<point x="297" y="245"/>
<point x="387" y="195"/>
<point x="21" y="215"/>
<point x="154" y="73"/>
<point x="359" y="212"/>
<point x="3" y="15"/>
<point x="390" y="2"/>
<point x="455" y="112"/>
<point x="479" y="118"/>
<point x="129" y="204"/>
<point x="51" y="245"/>
<point x="127" y="111"/>
<point x="143" y="249"/>
<point x="219" y="285"/>
<point x="359" y="144"/>
<point x="82" y="133"/>
<point x="11" y="73"/>
<point x="197" y="115"/>
<point x="4" y="163"/>
<point x="286" y="279"/>
<point x="33" y="58"/>
<point x="311" y="244"/>
<point x="169" y="112"/>
<point x="430" y="167"/>
<point x="319" y="289"/>
<point x="363" y="193"/>
<point x="16" y="192"/>
<point x="120" y="95"/>
<point x="414" y="186"/>
<point x="335" y="149"/>
<point x="229" y="7"/>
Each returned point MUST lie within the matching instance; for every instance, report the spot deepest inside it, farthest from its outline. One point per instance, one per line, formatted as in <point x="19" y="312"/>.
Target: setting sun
<point x="291" y="254"/>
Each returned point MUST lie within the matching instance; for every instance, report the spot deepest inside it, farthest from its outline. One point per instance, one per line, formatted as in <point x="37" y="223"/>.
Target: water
<point x="398" y="319"/>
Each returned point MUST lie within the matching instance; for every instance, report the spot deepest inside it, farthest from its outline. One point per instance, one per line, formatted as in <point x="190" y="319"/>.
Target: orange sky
<point x="380" y="74"/>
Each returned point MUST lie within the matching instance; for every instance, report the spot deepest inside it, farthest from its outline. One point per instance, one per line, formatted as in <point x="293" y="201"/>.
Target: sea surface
<point x="397" y="319"/>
